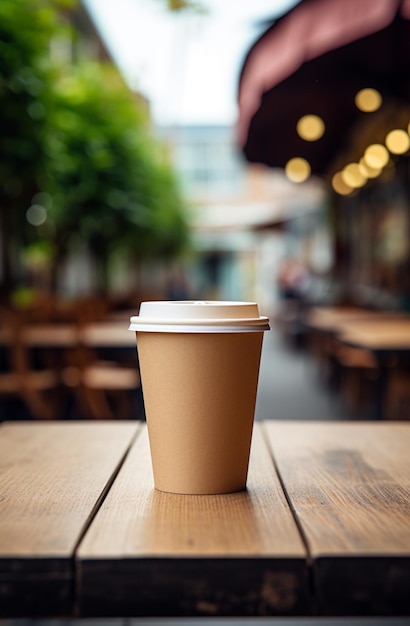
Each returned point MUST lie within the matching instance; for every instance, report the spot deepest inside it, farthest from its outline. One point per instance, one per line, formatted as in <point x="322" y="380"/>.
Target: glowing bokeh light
<point x="376" y="155"/>
<point x="297" y="170"/>
<point x="369" y="172"/>
<point x="36" y="215"/>
<point x="340" y="186"/>
<point x="398" y="141"/>
<point x="352" y="176"/>
<point x="310" y="127"/>
<point x="368" y="100"/>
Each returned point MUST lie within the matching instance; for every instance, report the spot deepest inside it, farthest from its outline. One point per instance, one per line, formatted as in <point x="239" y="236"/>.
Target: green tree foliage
<point x="108" y="180"/>
<point x="76" y="151"/>
<point x="25" y="32"/>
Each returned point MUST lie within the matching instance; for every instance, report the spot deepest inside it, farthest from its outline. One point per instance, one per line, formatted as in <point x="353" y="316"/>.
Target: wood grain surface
<point x="238" y="553"/>
<point x="52" y="478"/>
<point x="349" y="487"/>
<point x="323" y="527"/>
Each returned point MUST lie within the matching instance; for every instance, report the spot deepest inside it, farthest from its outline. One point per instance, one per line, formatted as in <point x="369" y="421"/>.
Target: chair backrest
<point x="19" y="376"/>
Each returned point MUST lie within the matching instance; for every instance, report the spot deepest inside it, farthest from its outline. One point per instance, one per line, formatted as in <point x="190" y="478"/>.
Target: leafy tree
<point x="76" y="154"/>
<point x="108" y="181"/>
<point x="25" y="91"/>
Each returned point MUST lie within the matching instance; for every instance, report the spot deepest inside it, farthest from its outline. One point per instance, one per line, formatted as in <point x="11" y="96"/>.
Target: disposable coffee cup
<point x="199" y="367"/>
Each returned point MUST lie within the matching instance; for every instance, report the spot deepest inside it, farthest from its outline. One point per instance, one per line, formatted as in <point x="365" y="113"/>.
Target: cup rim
<point x="198" y="316"/>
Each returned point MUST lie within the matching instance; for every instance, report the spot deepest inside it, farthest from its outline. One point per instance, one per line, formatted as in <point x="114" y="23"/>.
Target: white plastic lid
<point x="192" y="316"/>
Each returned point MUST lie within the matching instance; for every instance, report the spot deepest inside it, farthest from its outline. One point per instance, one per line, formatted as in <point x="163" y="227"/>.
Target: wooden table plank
<point x="329" y="318"/>
<point x="50" y="335"/>
<point x="52" y="477"/>
<point x="349" y="485"/>
<point x="383" y="335"/>
<point x="109" y="334"/>
<point x="154" y="553"/>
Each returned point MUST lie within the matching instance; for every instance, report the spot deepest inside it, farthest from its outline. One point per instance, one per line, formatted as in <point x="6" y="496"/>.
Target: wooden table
<point x="385" y="338"/>
<point x="385" y="334"/>
<point x="112" y="334"/>
<point x="109" y="337"/>
<point x="106" y="351"/>
<point x="109" y="334"/>
<point x="324" y="324"/>
<point x="322" y="529"/>
<point x="382" y="335"/>
<point x="335" y="320"/>
<point x="328" y="318"/>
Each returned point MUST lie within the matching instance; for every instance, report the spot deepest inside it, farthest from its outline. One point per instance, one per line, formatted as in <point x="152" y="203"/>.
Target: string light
<point x="310" y="127"/>
<point x="368" y="100"/>
<point x="297" y="170"/>
<point x="369" y="172"/>
<point x="340" y="186"/>
<point x="376" y="155"/>
<point x="398" y="141"/>
<point x="353" y="176"/>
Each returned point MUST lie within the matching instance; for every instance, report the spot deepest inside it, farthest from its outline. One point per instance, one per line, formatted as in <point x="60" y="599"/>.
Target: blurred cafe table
<point x="333" y="320"/>
<point x="110" y="334"/>
<point x="322" y="529"/>
<point x="381" y="334"/>
<point x="43" y="335"/>
<point x="87" y="359"/>
<point x="325" y="323"/>
<point x="386" y="339"/>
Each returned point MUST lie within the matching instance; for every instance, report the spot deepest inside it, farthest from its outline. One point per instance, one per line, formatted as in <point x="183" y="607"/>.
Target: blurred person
<point x="293" y="279"/>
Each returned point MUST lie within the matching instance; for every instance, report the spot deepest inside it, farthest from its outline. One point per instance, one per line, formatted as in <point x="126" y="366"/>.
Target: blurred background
<point x="172" y="149"/>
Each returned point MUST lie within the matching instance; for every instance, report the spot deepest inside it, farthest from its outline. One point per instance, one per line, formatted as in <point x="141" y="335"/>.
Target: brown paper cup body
<point x="199" y="394"/>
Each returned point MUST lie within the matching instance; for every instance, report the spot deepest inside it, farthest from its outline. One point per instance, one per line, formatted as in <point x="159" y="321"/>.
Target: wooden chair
<point x="38" y="388"/>
<point x="398" y="394"/>
<point x="359" y="373"/>
<point x="104" y="389"/>
<point x="322" y="348"/>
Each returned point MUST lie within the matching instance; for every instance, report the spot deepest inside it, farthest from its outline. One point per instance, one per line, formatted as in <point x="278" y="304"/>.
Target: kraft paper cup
<point x="199" y="365"/>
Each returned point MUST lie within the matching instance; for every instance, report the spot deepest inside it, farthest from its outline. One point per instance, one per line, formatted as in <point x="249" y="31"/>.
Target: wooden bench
<point x="322" y="529"/>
